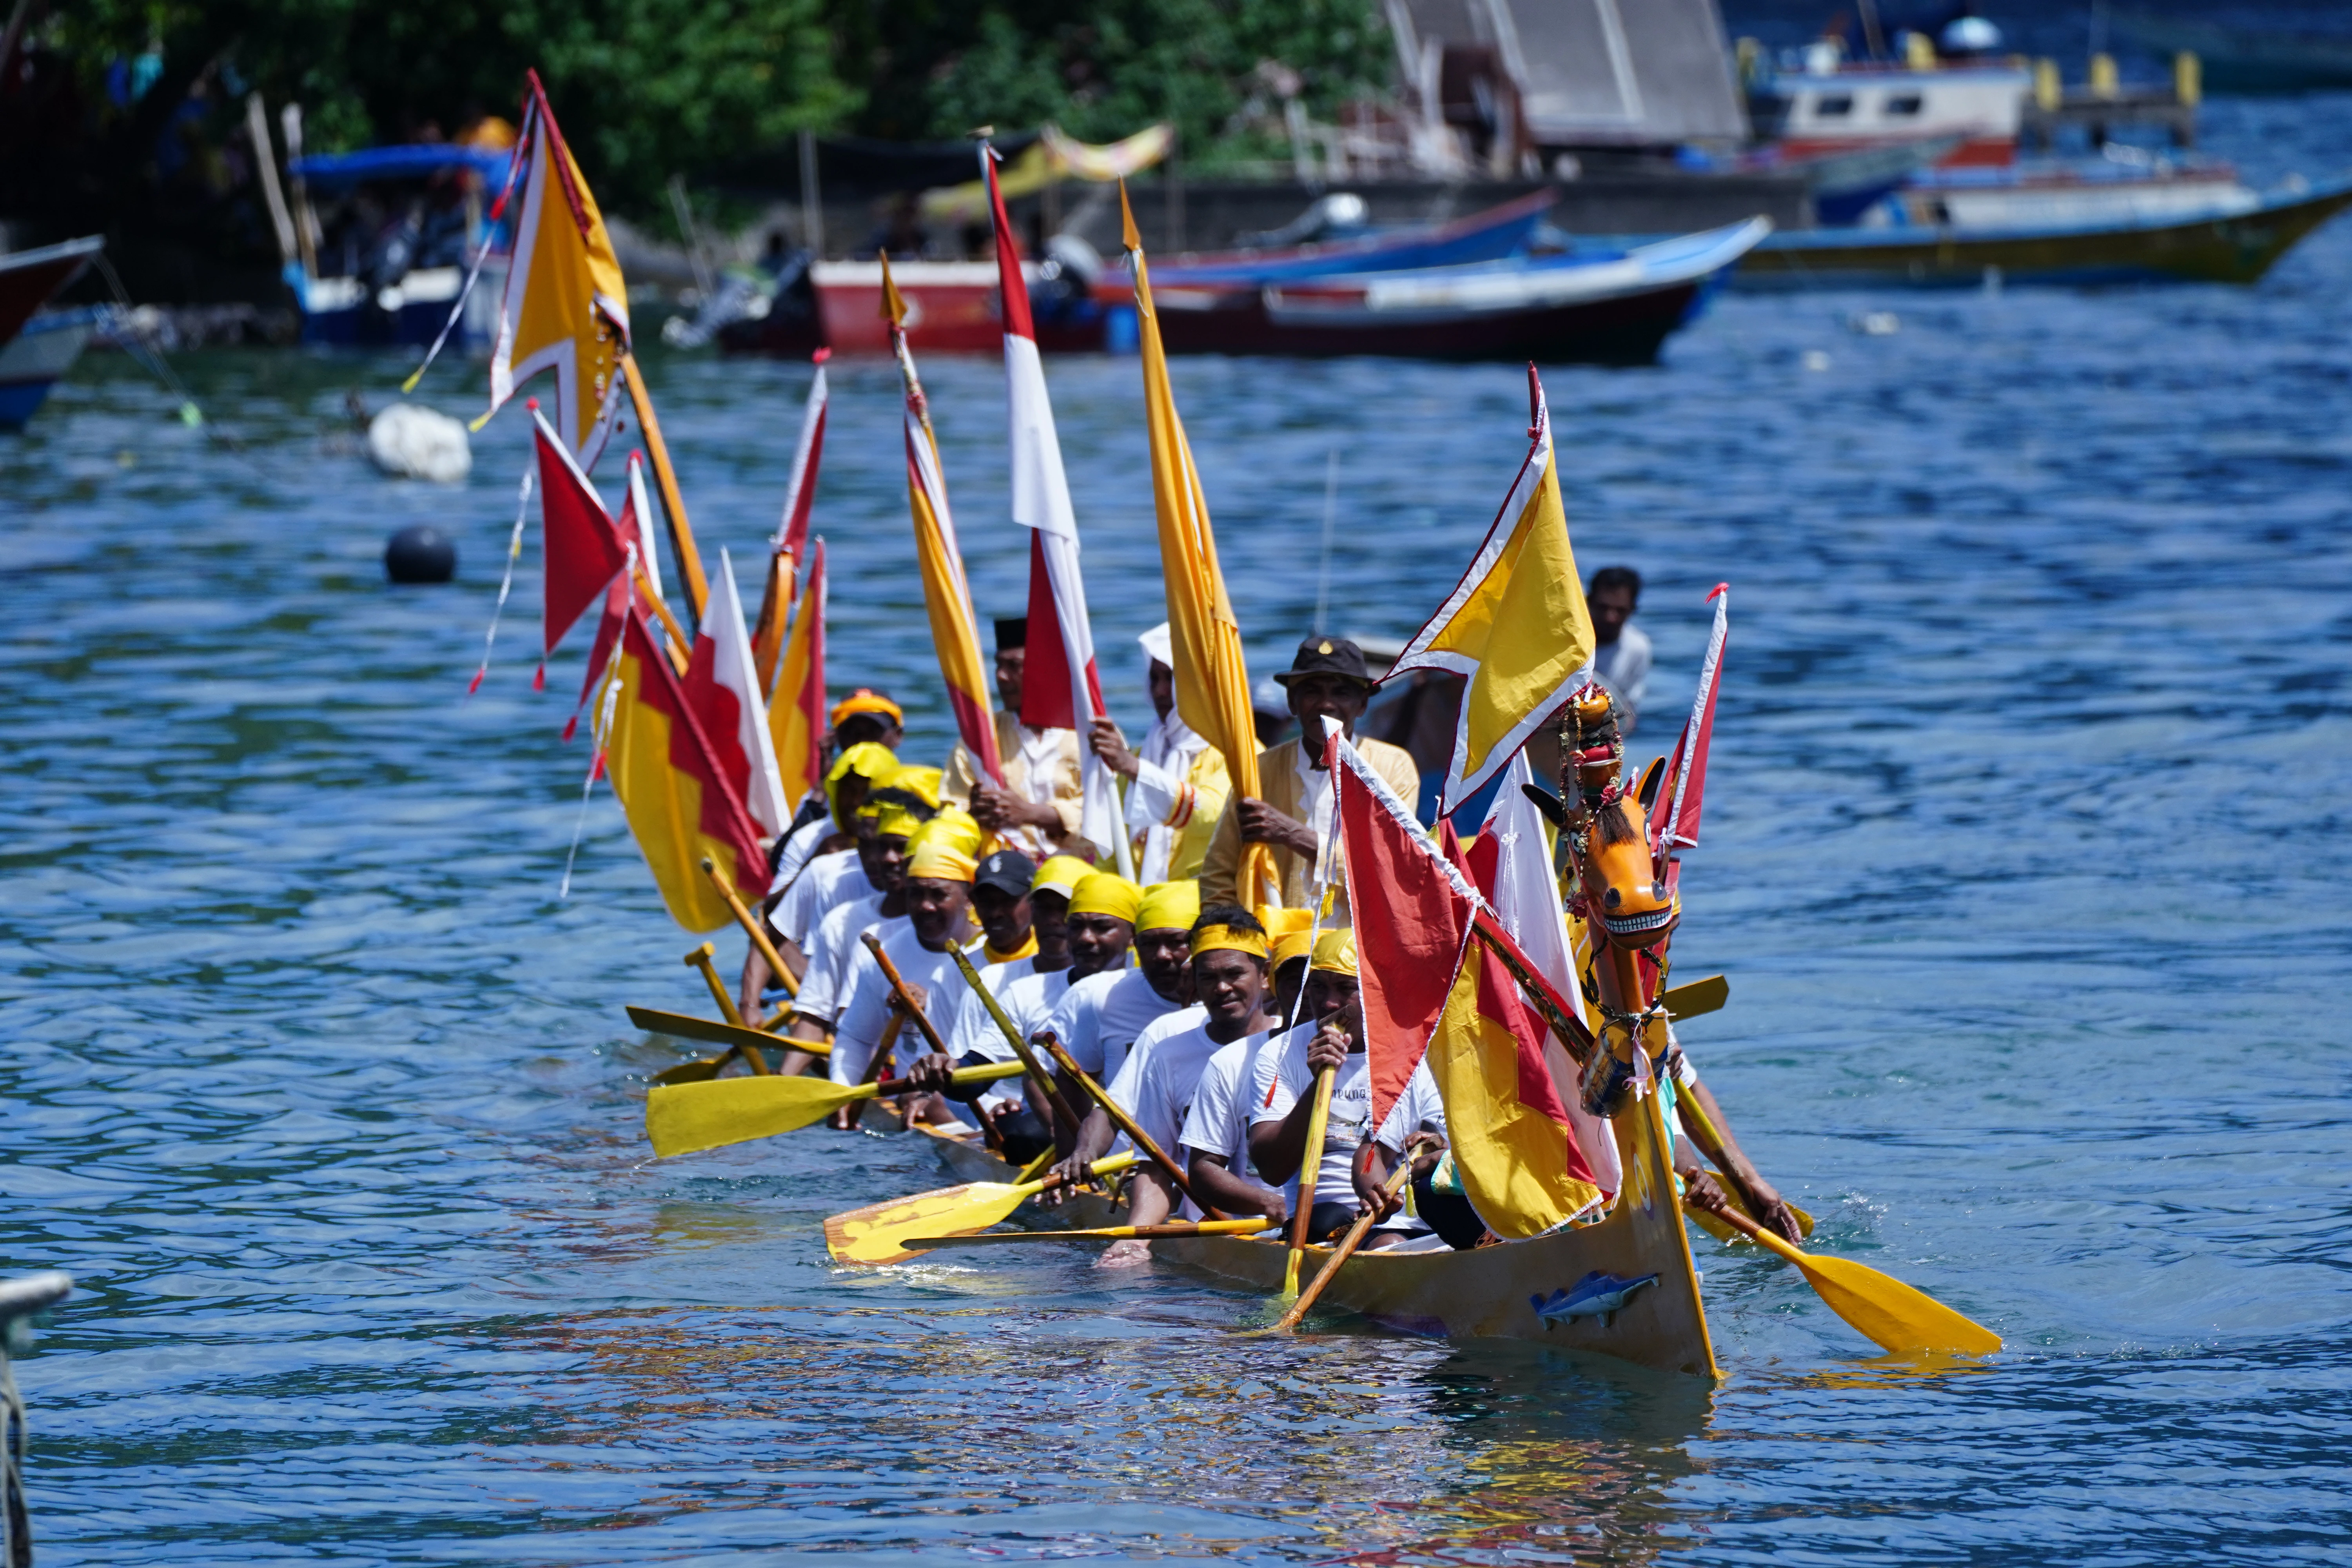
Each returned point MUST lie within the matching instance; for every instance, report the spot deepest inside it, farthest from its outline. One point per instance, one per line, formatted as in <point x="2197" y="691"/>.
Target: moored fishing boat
<point x="1550" y="1289"/>
<point x="1596" y="305"/>
<point x="2214" y="248"/>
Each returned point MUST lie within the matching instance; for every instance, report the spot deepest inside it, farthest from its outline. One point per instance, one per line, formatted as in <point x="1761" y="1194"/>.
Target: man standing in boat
<point x="1177" y="782"/>
<point x="1038" y="807"/>
<point x="1328" y="684"/>
<point x="1621" y="650"/>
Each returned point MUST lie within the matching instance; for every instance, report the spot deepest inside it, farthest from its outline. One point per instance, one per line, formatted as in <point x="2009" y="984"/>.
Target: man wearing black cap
<point x="1038" y="807"/>
<point x="1328" y="685"/>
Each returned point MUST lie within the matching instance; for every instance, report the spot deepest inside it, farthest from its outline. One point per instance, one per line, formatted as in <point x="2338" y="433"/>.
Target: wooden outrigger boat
<point x="1542" y="1289"/>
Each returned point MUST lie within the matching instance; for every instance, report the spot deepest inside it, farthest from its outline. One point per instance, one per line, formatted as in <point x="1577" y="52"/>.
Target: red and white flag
<point x="585" y="548"/>
<point x="785" y="551"/>
<point x="1060" y="687"/>
<point x="1677" y="829"/>
<point x="723" y="684"/>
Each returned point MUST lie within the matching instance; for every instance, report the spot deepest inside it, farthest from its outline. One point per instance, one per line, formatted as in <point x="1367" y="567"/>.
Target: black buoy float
<point x="420" y="554"/>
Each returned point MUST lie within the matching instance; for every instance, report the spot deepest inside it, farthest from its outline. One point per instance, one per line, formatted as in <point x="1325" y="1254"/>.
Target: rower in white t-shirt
<point x="1155" y="1084"/>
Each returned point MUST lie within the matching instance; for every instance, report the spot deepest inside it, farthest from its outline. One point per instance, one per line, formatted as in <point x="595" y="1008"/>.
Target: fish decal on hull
<point x="1596" y="1295"/>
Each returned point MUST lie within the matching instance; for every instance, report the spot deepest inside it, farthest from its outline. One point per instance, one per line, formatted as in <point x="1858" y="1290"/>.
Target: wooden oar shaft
<point x="751" y="924"/>
<point x="1126" y="1123"/>
<point x="700" y="959"/>
<point x="962" y="1078"/>
<point x="1752" y="1231"/>
<point x="681" y="534"/>
<point x="906" y="997"/>
<point x="1036" y="1070"/>
<point x="1346" y="1249"/>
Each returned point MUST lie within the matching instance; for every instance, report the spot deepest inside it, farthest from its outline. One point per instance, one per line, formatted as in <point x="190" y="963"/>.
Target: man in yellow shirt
<point x="1177" y="783"/>
<point x="1328" y="685"/>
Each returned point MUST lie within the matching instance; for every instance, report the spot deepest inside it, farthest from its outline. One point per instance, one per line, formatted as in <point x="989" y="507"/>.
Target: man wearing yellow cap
<point x="940" y="864"/>
<point x="837" y="878"/>
<point x="1354" y="1162"/>
<point x="1094" y="912"/>
<point x="1177" y="782"/>
<point x="1329" y="686"/>
<point x="1098" y="1017"/>
<point x="1157" y="1082"/>
<point x="1216" y="1129"/>
<point x="826" y="822"/>
<point x="1038" y="807"/>
<point x="885" y="825"/>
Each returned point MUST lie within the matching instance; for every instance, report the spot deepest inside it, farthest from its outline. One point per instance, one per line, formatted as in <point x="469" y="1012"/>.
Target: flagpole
<point x="681" y="532"/>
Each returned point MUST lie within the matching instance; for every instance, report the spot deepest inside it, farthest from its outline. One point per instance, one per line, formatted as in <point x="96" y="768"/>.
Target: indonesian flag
<point x="796" y="714"/>
<point x="1433" y="993"/>
<point x="1059" y="686"/>
<point x="673" y="783"/>
<point x="566" y="307"/>
<point x="723" y="685"/>
<point x="585" y="550"/>
<point x="1516" y="626"/>
<point x="1677" y="828"/>
<point x="791" y="533"/>
<point x="1212" y="689"/>
<point x="947" y="598"/>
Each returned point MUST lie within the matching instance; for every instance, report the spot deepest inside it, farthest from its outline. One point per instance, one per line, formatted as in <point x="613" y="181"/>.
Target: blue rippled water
<point x="2026" y="856"/>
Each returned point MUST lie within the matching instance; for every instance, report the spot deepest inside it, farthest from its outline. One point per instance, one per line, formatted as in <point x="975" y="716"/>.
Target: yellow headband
<point x="1335" y="953"/>
<point x="1170" y="906"/>
<point x="933" y="861"/>
<point x="892" y="820"/>
<point x="1103" y="893"/>
<point x="1060" y="874"/>
<point x="1228" y="938"/>
<point x="1291" y="944"/>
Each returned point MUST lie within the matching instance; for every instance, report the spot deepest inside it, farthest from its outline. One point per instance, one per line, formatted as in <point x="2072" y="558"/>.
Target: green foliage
<point x="648" y="88"/>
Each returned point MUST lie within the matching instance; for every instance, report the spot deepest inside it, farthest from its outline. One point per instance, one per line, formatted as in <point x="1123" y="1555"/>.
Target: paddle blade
<point x="686" y="1027"/>
<point x="1700" y="997"/>
<point x="1892" y="1314"/>
<point x="879" y="1234"/>
<point x="681" y="1117"/>
<point x="701" y="1069"/>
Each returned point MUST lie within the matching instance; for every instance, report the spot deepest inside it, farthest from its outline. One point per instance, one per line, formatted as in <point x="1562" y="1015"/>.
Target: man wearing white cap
<point x="1177" y="782"/>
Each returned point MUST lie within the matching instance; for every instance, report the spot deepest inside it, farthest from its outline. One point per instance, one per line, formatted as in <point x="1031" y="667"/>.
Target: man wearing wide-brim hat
<point x="1328" y="685"/>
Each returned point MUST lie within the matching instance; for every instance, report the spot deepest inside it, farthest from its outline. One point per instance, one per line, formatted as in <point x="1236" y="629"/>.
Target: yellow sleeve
<point x="955" y="784"/>
<point x="1212" y="787"/>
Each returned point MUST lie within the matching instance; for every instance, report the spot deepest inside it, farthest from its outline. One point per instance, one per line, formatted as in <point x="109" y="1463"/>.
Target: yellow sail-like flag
<point x="1516" y="626"/>
<point x="947" y="597"/>
<point x="1212" y="689"/>
<point x="566" y="307"/>
<point x="796" y="710"/>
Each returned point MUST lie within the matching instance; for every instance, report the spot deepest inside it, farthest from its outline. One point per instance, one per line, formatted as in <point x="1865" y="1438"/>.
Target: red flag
<point x="1413" y="913"/>
<point x="608" y="632"/>
<point x="584" y="549"/>
<point x="1677" y="828"/>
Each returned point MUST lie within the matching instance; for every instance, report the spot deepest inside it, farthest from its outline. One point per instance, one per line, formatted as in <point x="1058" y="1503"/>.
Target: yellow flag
<point x="1519" y="1162"/>
<point x="566" y="307"/>
<point x="1516" y="626"/>
<point x="1212" y="689"/>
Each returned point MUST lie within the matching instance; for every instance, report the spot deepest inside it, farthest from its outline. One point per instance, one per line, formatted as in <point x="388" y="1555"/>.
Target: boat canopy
<point x="333" y="171"/>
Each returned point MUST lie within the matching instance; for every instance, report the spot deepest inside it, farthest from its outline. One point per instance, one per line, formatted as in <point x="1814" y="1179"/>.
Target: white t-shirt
<point x="1026" y="998"/>
<point x="1219" y="1122"/>
<point x="836" y="878"/>
<point x="1282" y="1080"/>
<point x="831" y="947"/>
<point x="1156" y="1083"/>
<point x="1624" y="666"/>
<point x="867" y="1010"/>
<point x="799" y="845"/>
<point x="1098" y="1018"/>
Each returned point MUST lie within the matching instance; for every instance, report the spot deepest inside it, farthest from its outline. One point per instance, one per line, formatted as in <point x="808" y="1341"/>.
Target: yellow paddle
<point x="1707" y="995"/>
<point x="1883" y="1310"/>
<point x="683" y="1117"/>
<point x="1310" y="1164"/>
<point x="751" y="927"/>
<point x="1124" y="1122"/>
<point x="700" y="959"/>
<point x="747" y="1044"/>
<point x="1105" y="1233"/>
<point x="877" y="1233"/>
<point x="1708" y="1221"/>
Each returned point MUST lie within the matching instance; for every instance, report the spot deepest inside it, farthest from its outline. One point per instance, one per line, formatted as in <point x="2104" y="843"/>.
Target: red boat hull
<point x="29" y="278"/>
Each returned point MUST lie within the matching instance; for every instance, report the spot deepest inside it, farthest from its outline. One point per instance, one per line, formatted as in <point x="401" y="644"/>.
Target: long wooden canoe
<point x="1491" y="1291"/>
